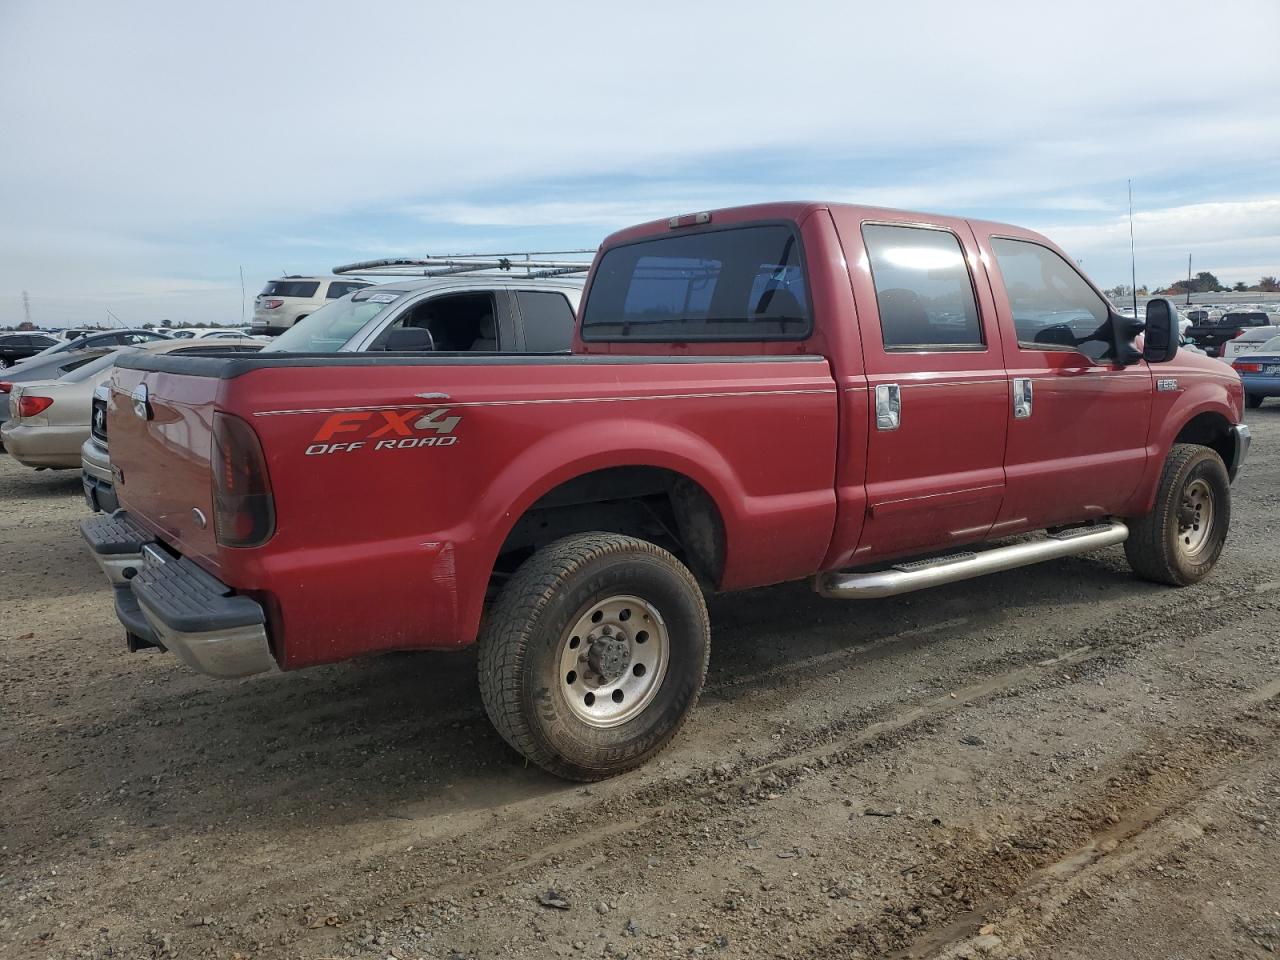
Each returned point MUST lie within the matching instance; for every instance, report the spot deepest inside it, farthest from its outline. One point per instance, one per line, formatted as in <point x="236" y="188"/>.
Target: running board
<point x="919" y="574"/>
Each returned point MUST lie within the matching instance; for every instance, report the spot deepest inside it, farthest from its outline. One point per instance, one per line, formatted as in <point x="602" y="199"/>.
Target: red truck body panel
<point x="391" y="548"/>
<point x="388" y="526"/>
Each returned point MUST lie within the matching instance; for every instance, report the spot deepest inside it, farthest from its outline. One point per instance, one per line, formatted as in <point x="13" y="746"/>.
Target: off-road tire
<point x="521" y="642"/>
<point x="1153" y="547"/>
<point x="1253" y="400"/>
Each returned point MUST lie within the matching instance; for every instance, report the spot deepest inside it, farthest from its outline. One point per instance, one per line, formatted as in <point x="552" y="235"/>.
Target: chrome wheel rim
<point x="1195" y="518"/>
<point x="612" y="660"/>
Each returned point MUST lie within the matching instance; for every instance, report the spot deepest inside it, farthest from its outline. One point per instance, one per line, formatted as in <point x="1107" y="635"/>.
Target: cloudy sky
<point x="151" y="150"/>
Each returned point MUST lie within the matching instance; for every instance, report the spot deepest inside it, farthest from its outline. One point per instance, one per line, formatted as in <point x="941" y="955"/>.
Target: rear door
<point x="939" y="397"/>
<point x="1077" y="448"/>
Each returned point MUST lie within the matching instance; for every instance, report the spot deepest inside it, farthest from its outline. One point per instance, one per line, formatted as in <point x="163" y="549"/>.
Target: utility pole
<point x="26" y="306"/>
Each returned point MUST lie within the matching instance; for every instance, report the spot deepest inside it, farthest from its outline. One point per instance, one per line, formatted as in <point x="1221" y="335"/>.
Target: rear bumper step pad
<point x="168" y="601"/>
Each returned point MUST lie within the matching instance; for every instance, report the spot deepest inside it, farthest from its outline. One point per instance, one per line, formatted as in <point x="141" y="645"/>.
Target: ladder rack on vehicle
<point x="532" y="264"/>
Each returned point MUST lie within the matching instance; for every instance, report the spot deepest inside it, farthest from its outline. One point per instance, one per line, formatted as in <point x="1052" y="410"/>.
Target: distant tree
<point x="1240" y="286"/>
<point x="1142" y="291"/>
<point x="166" y="324"/>
<point x="1269" y="285"/>
<point x="148" y="326"/>
<point x="1203" y="282"/>
<point x="1119" y="292"/>
<point x="1208" y="283"/>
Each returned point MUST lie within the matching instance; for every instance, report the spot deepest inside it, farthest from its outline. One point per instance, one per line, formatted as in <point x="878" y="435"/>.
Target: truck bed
<point x="389" y="517"/>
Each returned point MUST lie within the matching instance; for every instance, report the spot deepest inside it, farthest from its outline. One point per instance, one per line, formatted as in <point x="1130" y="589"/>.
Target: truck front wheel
<point x="594" y="654"/>
<point x="1180" y="540"/>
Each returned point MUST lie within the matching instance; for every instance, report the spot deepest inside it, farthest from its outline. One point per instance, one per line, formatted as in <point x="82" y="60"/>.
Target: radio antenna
<point x="1133" y="263"/>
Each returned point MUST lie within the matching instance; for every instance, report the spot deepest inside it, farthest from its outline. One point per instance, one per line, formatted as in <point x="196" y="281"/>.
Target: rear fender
<point x="571" y="453"/>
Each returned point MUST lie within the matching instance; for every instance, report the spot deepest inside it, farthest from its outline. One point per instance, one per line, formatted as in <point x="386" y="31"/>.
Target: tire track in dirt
<point x="844" y="741"/>
<point x="1143" y="800"/>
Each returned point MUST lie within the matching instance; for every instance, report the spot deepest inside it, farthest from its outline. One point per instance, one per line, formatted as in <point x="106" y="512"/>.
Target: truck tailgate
<point x="162" y="461"/>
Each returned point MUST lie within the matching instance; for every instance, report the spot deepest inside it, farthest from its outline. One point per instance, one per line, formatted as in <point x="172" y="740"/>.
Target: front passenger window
<point x="1053" y="307"/>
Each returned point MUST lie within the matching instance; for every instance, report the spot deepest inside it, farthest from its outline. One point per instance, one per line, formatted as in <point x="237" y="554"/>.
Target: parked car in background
<point x="104" y="340"/>
<point x="1202" y="315"/>
<point x="1259" y="371"/>
<point x="205" y="333"/>
<point x="49" y="366"/>
<point x="49" y="419"/>
<point x="1211" y="335"/>
<point x="15" y="347"/>
<point x="284" y="302"/>
<point x="461" y="314"/>
<point x="1249" y="339"/>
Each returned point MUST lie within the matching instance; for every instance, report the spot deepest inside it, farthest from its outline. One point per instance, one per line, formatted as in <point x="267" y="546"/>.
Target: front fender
<point x="1168" y="419"/>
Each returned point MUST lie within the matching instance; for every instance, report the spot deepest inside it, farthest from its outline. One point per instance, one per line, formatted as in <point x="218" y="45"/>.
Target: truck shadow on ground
<point x="404" y="736"/>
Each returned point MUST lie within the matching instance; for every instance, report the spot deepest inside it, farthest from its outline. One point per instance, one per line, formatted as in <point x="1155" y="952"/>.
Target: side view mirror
<point x="1162" y="332"/>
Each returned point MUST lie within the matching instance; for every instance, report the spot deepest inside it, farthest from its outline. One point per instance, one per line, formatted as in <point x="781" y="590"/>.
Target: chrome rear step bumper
<point x="920" y="574"/>
<point x="167" y="601"/>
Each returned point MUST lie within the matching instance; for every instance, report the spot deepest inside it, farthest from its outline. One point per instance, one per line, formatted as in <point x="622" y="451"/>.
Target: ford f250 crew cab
<point x="877" y="400"/>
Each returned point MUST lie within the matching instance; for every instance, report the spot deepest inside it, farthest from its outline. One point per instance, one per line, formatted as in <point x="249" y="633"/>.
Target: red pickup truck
<point x="877" y="400"/>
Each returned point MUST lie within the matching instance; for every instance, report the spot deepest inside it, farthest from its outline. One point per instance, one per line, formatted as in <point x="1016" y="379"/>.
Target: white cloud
<point x="151" y="119"/>
<point x="1225" y="237"/>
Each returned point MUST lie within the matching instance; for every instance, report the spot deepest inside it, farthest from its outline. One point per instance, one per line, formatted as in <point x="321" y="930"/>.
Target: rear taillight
<point x="5" y="386"/>
<point x="272" y="302"/>
<point x="1238" y="333"/>
<point x="1247" y="367"/>
<point x="244" y="512"/>
<point x="29" y="406"/>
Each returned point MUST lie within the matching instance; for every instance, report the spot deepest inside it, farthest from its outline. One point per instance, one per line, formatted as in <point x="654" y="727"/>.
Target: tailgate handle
<point x="432" y="396"/>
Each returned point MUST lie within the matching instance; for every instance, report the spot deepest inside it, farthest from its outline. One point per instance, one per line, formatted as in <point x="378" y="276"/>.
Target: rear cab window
<point x="738" y="283"/>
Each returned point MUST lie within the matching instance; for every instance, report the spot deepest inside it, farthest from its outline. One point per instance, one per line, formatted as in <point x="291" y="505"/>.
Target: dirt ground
<point x="1059" y="762"/>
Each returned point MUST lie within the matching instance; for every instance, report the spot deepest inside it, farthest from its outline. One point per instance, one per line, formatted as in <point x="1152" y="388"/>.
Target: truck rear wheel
<point x="594" y="654"/>
<point x="1180" y="540"/>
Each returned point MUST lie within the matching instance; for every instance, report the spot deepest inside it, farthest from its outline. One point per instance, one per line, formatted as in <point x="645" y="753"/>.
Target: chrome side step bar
<point x="919" y="574"/>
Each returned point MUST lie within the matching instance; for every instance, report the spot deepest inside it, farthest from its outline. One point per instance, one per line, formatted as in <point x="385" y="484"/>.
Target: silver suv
<point x="459" y="314"/>
<point x="284" y="302"/>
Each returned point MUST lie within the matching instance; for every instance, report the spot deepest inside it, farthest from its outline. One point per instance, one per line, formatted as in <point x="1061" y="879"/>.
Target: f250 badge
<point x="385" y="430"/>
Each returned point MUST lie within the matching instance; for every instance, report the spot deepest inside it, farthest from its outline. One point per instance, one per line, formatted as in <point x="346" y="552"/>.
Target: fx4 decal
<point x="385" y="430"/>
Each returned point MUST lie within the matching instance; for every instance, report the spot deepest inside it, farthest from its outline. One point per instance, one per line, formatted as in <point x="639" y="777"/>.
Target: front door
<point x="938" y="393"/>
<point x="1077" y="447"/>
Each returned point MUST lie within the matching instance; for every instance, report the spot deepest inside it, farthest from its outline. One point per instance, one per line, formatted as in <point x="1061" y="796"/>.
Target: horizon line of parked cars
<point x="47" y="393"/>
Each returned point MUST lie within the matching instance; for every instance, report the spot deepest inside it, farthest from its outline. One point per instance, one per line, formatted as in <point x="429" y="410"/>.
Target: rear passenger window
<point x="547" y="319"/>
<point x="745" y="283"/>
<point x="1053" y="307"/>
<point x="923" y="289"/>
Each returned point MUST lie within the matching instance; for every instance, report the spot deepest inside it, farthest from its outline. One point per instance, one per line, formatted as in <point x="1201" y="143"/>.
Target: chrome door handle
<point x="1021" y="398"/>
<point x="888" y="406"/>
